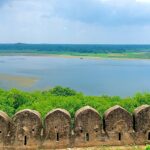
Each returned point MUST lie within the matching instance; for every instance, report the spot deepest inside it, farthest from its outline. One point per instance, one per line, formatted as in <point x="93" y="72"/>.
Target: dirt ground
<point x="111" y="148"/>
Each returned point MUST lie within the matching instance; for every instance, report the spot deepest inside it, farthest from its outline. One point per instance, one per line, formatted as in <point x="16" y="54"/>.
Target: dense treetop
<point x="43" y="101"/>
<point x="71" y="48"/>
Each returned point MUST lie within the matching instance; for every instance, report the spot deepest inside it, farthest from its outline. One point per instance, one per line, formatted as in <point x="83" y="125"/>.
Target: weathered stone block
<point x="5" y="127"/>
<point x="88" y="127"/>
<point x="57" y="129"/>
<point x="28" y="126"/>
<point x="118" y="124"/>
<point x="142" y="124"/>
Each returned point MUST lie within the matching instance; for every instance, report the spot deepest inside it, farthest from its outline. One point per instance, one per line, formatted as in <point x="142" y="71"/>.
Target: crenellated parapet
<point x="27" y="128"/>
<point x="87" y="127"/>
<point x="141" y="118"/>
<point x="58" y="130"/>
<point x="118" y="125"/>
<point x="5" y="129"/>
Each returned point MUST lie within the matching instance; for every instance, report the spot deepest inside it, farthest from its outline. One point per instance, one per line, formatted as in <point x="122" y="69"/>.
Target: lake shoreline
<point x="71" y="56"/>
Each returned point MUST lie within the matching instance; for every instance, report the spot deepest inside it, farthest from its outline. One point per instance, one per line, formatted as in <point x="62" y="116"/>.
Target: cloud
<point x="100" y="12"/>
<point x="104" y="12"/>
<point x="74" y="21"/>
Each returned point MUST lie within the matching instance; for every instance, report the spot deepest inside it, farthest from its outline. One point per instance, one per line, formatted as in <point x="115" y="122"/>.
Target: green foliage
<point x="43" y="101"/>
<point x="147" y="147"/>
<point x="94" y="50"/>
<point x="60" y="91"/>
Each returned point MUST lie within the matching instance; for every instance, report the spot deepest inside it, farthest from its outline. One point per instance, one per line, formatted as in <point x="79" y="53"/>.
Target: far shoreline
<point x="70" y="56"/>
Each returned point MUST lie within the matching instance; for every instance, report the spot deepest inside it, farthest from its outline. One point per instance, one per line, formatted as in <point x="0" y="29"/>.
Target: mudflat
<point x="18" y="80"/>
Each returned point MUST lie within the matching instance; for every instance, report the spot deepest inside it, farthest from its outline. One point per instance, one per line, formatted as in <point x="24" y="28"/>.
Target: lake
<point x="90" y="76"/>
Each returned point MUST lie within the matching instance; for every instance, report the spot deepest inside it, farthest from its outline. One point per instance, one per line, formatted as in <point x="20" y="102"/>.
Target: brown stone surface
<point x="142" y="124"/>
<point x="5" y="124"/>
<point x="88" y="127"/>
<point x="27" y="128"/>
<point x="118" y="126"/>
<point x="57" y="129"/>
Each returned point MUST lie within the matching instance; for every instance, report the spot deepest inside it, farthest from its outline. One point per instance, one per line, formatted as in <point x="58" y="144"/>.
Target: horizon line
<point x="26" y="43"/>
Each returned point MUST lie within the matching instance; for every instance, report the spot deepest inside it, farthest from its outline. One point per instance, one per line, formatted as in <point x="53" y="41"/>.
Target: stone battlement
<point x="117" y="127"/>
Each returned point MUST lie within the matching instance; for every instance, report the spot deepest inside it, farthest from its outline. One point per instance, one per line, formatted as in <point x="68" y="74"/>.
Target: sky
<point x="75" y="21"/>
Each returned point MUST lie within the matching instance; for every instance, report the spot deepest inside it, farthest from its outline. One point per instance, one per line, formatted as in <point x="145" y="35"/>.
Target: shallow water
<point x="91" y="76"/>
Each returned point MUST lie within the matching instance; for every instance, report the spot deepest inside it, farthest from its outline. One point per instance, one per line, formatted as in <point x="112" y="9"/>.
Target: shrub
<point x="43" y="101"/>
<point x="60" y="91"/>
<point x="147" y="147"/>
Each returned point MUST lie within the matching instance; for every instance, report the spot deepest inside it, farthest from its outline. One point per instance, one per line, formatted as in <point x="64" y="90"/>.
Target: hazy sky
<point x="75" y="21"/>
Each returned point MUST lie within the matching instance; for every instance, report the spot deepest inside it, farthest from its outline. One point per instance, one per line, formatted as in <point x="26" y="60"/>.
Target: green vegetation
<point x="81" y="50"/>
<point x="43" y="101"/>
<point x="130" y="55"/>
<point x="60" y="91"/>
<point x="147" y="147"/>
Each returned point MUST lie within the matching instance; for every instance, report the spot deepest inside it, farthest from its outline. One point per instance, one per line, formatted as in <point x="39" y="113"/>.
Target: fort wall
<point x="117" y="127"/>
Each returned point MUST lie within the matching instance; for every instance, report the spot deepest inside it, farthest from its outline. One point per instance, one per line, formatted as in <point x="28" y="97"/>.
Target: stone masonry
<point x="58" y="130"/>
